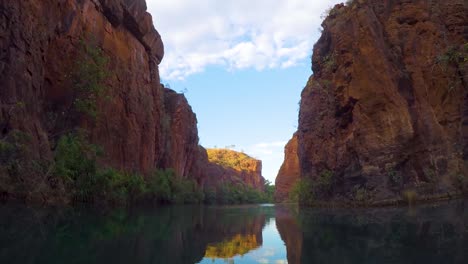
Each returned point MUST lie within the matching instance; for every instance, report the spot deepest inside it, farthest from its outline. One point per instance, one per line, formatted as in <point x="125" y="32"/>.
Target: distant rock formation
<point x="227" y="166"/>
<point x="386" y="110"/>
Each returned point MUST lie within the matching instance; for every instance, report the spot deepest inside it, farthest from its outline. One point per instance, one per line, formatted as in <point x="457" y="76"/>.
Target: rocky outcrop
<point x="44" y="44"/>
<point x="289" y="172"/>
<point x="180" y="126"/>
<point x="231" y="167"/>
<point x="39" y="47"/>
<point x="386" y="108"/>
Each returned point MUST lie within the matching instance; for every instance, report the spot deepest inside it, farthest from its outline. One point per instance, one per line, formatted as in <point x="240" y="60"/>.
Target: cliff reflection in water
<point x="182" y="234"/>
<point x="424" y="234"/>
<point x="243" y="234"/>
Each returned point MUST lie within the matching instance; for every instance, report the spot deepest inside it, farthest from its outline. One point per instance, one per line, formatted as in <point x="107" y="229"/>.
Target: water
<point x="239" y="234"/>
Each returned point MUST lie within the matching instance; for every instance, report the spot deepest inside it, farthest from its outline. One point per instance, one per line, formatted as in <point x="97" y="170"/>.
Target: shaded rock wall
<point x="289" y="172"/>
<point x="139" y="124"/>
<point x="386" y="108"/>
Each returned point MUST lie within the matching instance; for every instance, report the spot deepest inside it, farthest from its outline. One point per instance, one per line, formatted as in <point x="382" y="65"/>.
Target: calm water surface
<point x="239" y="234"/>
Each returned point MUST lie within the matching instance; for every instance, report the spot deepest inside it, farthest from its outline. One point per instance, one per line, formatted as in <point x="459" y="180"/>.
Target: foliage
<point x="231" y="159"/>
<point x="361" y="195"/>
<point x="166" y="187"/>
<point x="306" y="190"/>
<point x="75" y="165"/>
<point x="88" y="78"/>
<point x="236" y="194"/>
<point x="456" y="57"/>
<point x="302" y="192"/>
<point x="325" y="180"/>
<point x="431" y="175"/>
<point x="453" y="55"/>
<point x="269" y="192"/>
<point x="21" y="171"/>
<point x="394" y="178"/>
<point x="329" y="62"/>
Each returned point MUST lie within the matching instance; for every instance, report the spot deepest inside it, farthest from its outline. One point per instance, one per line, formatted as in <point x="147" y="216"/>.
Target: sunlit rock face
<point x="227" y="166"/>
<point x="387" y="107"/>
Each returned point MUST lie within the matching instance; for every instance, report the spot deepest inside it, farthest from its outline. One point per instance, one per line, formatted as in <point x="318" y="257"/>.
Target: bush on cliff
<point x="23" y="173"/>
<point x="166" y="187"/>
<point x="302" y="192"/>
<point x="235" y="194"/>
<point x="75" y="173"/>
<point x="88" y="78"/>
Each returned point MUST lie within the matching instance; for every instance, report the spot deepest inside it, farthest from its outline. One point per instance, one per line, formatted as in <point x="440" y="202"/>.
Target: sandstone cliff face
<point x="141" y="125"/>
<point x="231" y="167"/>
<point x="289" y="172"/>
<point x="386" y="109"/>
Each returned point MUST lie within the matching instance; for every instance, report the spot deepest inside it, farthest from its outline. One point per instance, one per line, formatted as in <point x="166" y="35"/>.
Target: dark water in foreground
<point x="243" y="234"/>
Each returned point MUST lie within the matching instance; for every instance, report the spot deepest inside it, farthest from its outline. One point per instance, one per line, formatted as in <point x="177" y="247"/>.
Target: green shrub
<point x="394" y="178"/>
<point x="75" y="157"/>
<point x="329" y="62"/>
<point x="185" y="191"/>
<point x="88" y="78"/>
<point x="302" y="192"/>
<point x="361" y="195"/>
<point x="22" y="172"/>
<point x="431" y="175"/>
<point x="166" y="187"/>
<point x="325" y="180"/>
<point x="159" y="185"/>
<point x="234" y="194"/>
<point x="210" y="196"/>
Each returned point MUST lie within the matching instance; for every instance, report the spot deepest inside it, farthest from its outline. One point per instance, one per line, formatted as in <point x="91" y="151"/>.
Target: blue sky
<point x="242" y="65"/>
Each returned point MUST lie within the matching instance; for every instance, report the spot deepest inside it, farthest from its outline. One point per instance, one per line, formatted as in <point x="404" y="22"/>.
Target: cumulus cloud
<point x="235" y="34"/>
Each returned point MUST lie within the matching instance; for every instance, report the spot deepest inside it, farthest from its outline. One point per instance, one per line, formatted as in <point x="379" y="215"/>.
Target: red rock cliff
<point x="141" y="125"/>
<point x="387" y="107"/>
<point x="289" y="172"/>
<point x="231" y="167"/>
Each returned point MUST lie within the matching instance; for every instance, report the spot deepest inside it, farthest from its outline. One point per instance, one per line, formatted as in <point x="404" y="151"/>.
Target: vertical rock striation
<point x="289" y="172"/>
<point x="386" y="108"/>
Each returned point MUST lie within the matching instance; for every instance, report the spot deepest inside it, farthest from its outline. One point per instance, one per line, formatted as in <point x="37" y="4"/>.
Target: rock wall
<point x="139" y="124"/>
<point x="46" y="51"/>
<point x="231" y="167"/>
<point x="289" y="172"/>
<point x="386" y="108"/>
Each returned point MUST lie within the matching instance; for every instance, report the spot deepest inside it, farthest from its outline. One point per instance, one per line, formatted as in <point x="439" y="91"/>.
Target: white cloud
<point x="236" y="34"/>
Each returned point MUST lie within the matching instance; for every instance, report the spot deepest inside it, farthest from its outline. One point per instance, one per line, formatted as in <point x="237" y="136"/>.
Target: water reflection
<point x="425" y="234"/>
<point x="243" y="234"/>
